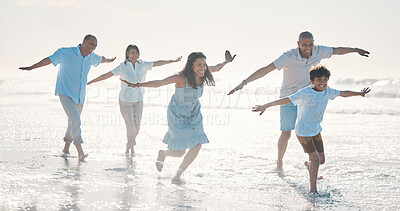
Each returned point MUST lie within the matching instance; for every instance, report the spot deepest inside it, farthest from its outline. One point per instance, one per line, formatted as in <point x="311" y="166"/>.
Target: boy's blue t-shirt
<point x="311" y="107"/>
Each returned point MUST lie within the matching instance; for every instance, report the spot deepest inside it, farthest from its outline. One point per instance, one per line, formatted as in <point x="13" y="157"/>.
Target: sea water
<point x="236" y="170"/>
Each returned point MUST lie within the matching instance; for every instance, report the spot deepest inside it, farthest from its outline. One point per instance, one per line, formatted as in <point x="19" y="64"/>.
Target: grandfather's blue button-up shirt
<point x="72" y="75"/>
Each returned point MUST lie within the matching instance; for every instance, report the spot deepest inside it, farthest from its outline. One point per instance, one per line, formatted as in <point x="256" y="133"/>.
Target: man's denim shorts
<point x="288" y="116"/>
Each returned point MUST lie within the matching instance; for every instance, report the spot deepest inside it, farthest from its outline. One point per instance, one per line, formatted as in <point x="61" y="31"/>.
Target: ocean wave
<point x="373" y="82"/>
<point x="373" y="109"/>
<point x="381" y="88"/>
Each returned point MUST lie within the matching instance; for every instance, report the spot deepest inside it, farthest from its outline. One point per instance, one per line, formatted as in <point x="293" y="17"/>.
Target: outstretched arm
<point x="261" y="108"/>
<point x="105" y="60"/>
<point x="100" y="78"/>
<point x="351" y="93"/>
<point x="256" y="75"/>
<point x="43" y="62"/>
<point x="178" y="79"/>
<point x="228" y="58"/>
<point x="343" y="50"/>
<point x="163" y="62"/>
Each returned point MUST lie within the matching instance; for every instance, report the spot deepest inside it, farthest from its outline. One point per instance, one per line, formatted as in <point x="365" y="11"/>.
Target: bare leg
<point x="187" y="160"/>
<point x="190" y="156"/>
<point x="173" y="153"/>
<point x="282" y="145"/>
<point x="137" y="117"/>
<point x="313" y="170"/>
<point x="66" y="148"/>
<point x="162" y="154"/>
<point x="81" y="155"/>
<point x="321" y="161"/>
<point x="321" y="158"/>
<point x="307" y="165"/>
<point x="130" y="149"/>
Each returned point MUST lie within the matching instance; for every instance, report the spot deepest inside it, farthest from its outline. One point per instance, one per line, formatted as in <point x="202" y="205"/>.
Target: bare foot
<point x="307" y="165"/>
<point x="279" y="165"/>
<point x="132" y="152"/>
<point x="83" y="157"/>
<point x="279" y="171"/>
<point x="177" y="178"/>
<point x="64" y="153"/>
<point x="160" y="160"/>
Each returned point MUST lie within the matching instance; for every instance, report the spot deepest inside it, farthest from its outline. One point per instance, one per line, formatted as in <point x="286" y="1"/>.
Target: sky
<point x="258" y="31"/>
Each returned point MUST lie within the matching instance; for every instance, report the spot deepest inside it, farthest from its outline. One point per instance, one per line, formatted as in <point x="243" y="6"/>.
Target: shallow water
<point x="234" y="171"/>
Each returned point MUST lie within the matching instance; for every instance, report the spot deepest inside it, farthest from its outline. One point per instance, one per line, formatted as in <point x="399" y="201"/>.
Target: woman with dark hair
<point x="185" y="122"/>
<point x="132" y="70"/>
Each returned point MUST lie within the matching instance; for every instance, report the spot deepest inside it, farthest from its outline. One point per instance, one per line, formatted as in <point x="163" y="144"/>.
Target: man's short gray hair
<point x="305" y="34"/>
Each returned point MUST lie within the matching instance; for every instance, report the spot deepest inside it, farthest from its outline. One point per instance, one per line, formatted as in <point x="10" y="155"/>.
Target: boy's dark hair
<point x="319" y="71"/>
<point x="89" y="37"/>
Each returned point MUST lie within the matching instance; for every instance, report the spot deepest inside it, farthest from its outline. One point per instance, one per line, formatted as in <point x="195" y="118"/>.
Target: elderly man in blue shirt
<point x="75" y="63"/>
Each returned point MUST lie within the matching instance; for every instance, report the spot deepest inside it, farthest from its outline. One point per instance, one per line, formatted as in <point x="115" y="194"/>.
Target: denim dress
<point x="185" y="122"/>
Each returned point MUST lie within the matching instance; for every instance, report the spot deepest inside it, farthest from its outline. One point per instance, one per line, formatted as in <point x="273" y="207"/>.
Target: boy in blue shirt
<point x="311" y="102"/>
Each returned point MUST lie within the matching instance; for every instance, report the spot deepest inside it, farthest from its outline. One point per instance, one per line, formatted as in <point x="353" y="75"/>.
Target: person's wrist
<point x="244" y="82"/>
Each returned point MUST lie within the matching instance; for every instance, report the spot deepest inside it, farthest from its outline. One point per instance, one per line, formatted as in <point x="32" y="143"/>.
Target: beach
<point x="236" y="170"/>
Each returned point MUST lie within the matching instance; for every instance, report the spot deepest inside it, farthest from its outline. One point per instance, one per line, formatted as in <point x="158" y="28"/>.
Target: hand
<point x="362" y="52"/>
<point x="111" y="60"/>
<point x="90" y="82"/>
<point x="239" y="87"/>
<point x="125" y="81"/>
<point x="130" y="84"/>
<point x="26" y="68"/>
<point x="228" y="56"/>
<point x="259" y="108"/>
<point x="134" y="85"/>
<point x="365" y="91"/>
<point x="178" y="59"/>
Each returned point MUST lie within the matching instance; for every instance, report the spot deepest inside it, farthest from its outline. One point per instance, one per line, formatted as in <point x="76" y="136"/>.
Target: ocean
<point x="235" y="171"/>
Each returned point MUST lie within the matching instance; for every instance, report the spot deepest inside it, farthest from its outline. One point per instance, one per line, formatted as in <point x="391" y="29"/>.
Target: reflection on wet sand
<point x="72" y="186"/>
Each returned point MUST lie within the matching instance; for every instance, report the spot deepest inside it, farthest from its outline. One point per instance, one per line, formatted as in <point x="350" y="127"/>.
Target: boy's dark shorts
<point x="311" y="144"/>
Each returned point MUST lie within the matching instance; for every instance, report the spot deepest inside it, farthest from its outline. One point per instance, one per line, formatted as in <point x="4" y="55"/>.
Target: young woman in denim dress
<point x="185" y="122"/>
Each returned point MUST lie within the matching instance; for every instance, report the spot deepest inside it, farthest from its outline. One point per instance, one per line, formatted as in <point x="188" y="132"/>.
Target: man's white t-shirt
<point x="311" y="107"/>
<point x="295" y="68"/>
<point x="133" y="75"/>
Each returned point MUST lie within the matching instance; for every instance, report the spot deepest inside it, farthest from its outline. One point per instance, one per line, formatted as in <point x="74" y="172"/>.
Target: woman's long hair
<point x="189" y="74"/>
<point x="128" y="49"/>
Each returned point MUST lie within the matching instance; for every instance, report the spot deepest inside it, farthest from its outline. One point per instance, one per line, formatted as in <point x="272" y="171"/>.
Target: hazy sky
<point x="258" y="31"/>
